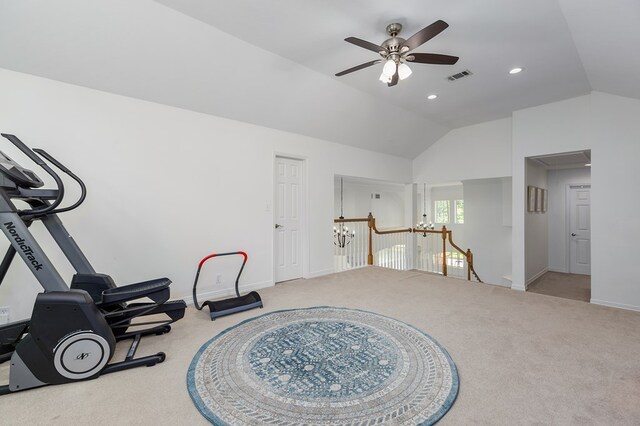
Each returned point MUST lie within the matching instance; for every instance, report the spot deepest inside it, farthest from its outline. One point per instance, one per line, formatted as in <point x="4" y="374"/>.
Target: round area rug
<point x="322" y="366"/>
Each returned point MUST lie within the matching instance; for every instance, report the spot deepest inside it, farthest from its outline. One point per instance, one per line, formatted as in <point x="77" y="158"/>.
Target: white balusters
<point x="391" y="249"/>
<point x="431" y="256"/>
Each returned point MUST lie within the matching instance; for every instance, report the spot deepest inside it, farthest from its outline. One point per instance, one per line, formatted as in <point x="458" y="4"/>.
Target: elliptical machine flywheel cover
<point x="81" y="355"/>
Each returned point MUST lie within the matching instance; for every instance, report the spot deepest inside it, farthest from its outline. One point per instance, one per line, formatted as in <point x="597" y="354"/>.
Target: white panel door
<point x="580" y="229"/>
<point x="288" y="220"/>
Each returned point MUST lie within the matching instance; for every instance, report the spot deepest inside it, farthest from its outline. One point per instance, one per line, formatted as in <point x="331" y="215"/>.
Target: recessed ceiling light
<point x="588" y="165"/>
<point x="515" y="70"/>
<point x="432" y="97"/>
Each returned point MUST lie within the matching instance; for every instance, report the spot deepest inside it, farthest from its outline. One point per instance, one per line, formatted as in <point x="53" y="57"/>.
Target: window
<point x="459" y="206"/>
<point x="442" y="211"/>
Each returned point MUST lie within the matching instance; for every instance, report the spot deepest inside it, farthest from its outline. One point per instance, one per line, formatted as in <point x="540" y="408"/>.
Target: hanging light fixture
<point x="389" y="68"/>
<point x="341" y="234"/>
<point x="404" y="71"/>
<point x="385" y="78"/>
<point x="423" y="225"/>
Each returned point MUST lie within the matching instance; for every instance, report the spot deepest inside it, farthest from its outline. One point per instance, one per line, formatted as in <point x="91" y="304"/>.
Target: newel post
<point x="444" y="250"/>
<point x="469" y="264"/>
<point x="372" y="223"/>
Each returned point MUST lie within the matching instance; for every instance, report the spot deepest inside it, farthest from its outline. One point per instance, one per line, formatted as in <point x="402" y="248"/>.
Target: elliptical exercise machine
<point x="73" y="331"/>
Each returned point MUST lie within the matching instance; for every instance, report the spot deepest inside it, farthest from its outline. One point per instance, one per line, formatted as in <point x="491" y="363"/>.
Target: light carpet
<point x="558" y="284"/>
<point x="523" y="358"/>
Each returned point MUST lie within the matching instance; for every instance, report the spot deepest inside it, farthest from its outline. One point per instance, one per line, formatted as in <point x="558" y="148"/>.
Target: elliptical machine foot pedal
<point x="114" y="301"/>
<point x="156" y="290"/>
<point x="220" y="308"/>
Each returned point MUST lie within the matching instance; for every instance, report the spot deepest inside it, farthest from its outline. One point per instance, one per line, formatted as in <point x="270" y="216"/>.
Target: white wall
<point x="507" y="202"/>
<point x="614" y="185"/>
<point x="389" y="209"/>
<point x="484" y="230"/>
<point x="609" y="126"/>
<point x="472" y="152"/>
<point x="557" y="182"/>
<point x="536" y="227"/>
<point x="168" y="186"/>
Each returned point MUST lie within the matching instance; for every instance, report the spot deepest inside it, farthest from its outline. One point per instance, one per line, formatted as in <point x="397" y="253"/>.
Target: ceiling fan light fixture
<point x="395" y="52"/>
<point x="385" y="78"/>
<point x="404" y="71"/>
<point x="389" y="68"/>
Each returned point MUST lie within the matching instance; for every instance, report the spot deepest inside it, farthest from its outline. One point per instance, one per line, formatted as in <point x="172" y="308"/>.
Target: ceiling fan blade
<point x="432" y="58"/>
<point x="358" y="67"/>
<point x="425" y="34"/>
<point x="366" y="44"/>
<point x="394" y="79"/>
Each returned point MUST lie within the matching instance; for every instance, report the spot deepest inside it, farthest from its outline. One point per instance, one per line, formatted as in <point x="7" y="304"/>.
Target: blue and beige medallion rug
<point x="322" y="366"/>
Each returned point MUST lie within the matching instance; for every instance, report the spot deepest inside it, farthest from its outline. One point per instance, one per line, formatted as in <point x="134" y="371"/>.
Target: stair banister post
<point x="372" y="223"/>
<point x="469" y="260"/>
<point x="444" y="250"/>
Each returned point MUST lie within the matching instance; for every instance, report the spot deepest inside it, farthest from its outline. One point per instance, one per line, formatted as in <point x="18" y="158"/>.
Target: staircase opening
<point x="367" y="240"/>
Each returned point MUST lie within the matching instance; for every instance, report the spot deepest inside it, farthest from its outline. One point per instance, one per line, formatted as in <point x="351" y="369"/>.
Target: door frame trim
<point x="567" y="224"/>
<point x="304" y="222"/>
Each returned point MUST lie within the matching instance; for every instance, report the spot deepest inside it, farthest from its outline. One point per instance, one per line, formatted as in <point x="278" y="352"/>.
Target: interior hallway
<point x="522" y="358"/>
<point x="567" y="286"/>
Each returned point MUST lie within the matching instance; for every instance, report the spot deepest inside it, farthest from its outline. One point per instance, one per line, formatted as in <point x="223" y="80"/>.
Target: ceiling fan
<point x="395" y="52"/>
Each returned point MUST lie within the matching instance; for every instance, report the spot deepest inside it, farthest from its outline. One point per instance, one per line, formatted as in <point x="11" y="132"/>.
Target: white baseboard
<point x="320" y="273"/>
<point x="503" y="284"/>
<point x="219" y="294"/>
<point x="615" y="305"/>
<point x="561" y="270"/>
<point x="507" y="281"/>
<point x="536" y="276"/>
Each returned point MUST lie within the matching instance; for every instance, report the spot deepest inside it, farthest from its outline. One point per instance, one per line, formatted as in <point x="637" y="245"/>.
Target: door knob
<point x="573" y="234"/>
<point x="278" y="226"/>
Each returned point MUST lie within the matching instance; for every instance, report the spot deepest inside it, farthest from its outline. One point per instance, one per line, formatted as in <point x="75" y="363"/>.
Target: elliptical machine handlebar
<point x="24" y="148"/>
<point x="59" y="165"/>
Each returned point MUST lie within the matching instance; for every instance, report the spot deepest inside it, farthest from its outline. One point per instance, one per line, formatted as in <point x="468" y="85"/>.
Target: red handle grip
<point x="221" y="254"/>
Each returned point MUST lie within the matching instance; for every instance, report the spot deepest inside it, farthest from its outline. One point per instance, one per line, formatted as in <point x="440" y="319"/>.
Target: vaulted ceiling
<point x="273" y="62"/>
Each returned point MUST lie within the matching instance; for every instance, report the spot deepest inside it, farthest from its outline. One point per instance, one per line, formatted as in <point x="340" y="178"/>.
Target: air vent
<point x="565" y="160"/>
<point x="459" y="75"/>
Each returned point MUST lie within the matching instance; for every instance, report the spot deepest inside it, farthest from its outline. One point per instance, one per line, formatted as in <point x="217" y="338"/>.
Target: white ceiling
<point x="272" y="62"/>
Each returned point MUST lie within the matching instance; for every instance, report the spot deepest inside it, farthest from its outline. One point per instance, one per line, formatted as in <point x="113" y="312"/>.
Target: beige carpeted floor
<point x="523" y="358"/>
<point x="568" y="286"/>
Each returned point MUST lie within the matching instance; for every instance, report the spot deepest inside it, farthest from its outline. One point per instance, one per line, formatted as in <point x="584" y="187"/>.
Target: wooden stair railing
<point x="446" y="236"/>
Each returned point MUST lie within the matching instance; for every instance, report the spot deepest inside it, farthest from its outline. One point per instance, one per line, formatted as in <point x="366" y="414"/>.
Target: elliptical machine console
<point x="18" y="174"/>
<point x="73" y="331"/>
